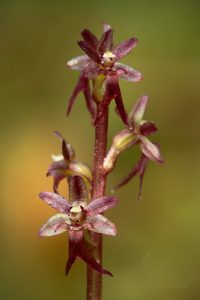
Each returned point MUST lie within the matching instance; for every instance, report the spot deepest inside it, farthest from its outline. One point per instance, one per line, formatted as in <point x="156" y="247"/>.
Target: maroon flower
<point x="141" y="129"/>
<point x="136" y="134"/>
<point x="102" y="59"/>
<point x="65" y="165"/>
<point x="75" y="216"/>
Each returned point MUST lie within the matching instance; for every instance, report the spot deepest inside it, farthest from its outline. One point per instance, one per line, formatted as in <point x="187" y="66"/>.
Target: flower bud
<point x="121" y="142"/>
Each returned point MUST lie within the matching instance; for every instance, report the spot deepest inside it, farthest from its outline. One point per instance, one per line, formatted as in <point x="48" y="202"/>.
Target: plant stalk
<point x="94" y="279"/>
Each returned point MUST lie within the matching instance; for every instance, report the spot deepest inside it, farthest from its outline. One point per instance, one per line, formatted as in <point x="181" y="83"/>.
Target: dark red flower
<point x="102" y="59"/>
<point x="76" y="216"/>
<point x="141" y="129"/>
<point x="136" y="134"/>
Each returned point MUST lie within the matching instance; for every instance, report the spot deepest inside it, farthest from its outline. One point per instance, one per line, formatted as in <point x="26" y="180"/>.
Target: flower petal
<point x="105" y="42"/>
<point x="78" y="63"/>
<point x="78" y="248"/>
<point x="99" y="205"/>
<point x="150" y="150"/>
<point x="89" y="50"/>
<point x="82" y="86"/>
<point x="59" y="170"/>
<point x="139" y="168"/>
<point x="69" y="263"/>
<point x="55" y="225"/>
<point x="75" y="241"/>
<point x="89" y="259"/>
<point x="122" y="141"/>
<point x="67" y="150"/>
<point x="119" y="102"/>
<point x="124" y="48"/>
<point x="78" y="88"/>
<point x="106" y="27"/>
<point x="127" y="73"/>
<point x="57" y="157"/>
<point x="55" y="201"/>
<point x="56" y="182"/>
<point x="81" y="169"/>
<point x="127" y="178"/>
<point x="57" y="167"/>
<point x="147" y="128"/>
<point x="77" y="189"/>
<point x="101" y="224"/>
<point x="112" y="92"/>
<point x="138" y="110"/>
<point x="89" y="37"/>
<point x="92" y="70"/>
<point x="89" y="100"/>
<point x="142" y="168"/>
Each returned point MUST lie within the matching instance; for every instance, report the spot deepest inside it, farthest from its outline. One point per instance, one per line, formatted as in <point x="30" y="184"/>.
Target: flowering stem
<point x="94" y="279"/>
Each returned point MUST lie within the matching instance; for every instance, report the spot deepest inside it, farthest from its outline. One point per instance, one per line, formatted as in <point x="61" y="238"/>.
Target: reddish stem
<point x="94" y="279"/>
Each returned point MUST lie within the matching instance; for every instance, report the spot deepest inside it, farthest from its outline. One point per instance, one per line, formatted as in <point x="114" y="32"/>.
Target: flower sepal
<point x="79" y="249"/>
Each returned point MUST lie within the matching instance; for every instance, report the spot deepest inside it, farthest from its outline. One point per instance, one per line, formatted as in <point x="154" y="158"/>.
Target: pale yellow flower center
<point x="108" y="59"/>
<point x="76" y="211"/>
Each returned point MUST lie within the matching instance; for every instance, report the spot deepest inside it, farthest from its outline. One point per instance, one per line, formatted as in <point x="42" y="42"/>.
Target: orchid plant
<point x="82" y="215"/>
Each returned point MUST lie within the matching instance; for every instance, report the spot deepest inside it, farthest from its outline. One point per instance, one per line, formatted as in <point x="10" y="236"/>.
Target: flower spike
<point x="81" y="215"/>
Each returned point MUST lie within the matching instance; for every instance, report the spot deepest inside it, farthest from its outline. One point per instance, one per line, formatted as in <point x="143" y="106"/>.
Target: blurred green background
<point x="156" y="252"/>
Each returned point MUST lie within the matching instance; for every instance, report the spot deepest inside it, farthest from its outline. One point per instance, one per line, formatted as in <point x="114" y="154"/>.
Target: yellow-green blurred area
<point x="156" y="252"/>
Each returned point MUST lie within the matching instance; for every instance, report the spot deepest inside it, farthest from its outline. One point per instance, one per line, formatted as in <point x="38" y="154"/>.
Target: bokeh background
<point x="156" y="252"/>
